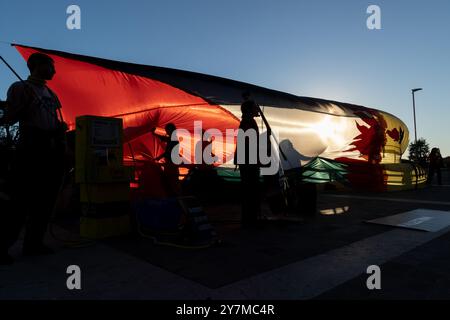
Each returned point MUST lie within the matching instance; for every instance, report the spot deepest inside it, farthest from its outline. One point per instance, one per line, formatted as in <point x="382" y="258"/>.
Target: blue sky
<point x="310" y="48"/>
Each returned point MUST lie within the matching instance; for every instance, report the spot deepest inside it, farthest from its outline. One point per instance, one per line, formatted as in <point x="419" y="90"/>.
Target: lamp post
<point x="414" y="112"/>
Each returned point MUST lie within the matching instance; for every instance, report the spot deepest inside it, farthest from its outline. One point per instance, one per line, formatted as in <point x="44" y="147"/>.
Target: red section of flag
<point x="143" y="103"/>
<point x="372" y="138"/>
<point x="394" y="134"/>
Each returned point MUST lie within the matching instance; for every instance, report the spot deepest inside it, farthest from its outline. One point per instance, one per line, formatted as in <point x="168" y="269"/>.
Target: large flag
<point x="148" y="96"/>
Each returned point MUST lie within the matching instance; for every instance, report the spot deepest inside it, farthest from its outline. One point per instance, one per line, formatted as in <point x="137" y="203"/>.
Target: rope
<point x="169" y="244"/>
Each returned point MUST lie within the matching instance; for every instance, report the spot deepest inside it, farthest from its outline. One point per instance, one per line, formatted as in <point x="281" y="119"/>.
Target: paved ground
<point x="321" y="258"/>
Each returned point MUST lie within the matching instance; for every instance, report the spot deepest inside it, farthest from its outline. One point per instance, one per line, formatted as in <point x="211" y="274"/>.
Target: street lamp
<point x="414" y="111"/>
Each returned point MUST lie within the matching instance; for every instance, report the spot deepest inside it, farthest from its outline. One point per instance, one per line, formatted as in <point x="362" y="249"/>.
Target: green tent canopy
<point x="318" y="170"/>
<point x="321" y="170"/>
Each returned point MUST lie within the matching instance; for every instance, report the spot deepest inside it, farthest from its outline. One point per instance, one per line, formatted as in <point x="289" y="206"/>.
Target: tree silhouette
<point x="418" y="151"/>
<point x="8" y="133"/>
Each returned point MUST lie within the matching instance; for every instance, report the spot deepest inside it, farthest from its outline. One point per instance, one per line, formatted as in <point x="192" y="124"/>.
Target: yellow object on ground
<point x="100" y="228"/>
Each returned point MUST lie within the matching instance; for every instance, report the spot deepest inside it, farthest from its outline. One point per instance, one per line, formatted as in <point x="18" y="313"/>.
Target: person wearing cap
<point x="39" y="164"/>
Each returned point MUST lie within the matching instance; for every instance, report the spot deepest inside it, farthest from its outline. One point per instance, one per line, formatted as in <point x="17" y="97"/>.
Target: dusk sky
<point x="309" y="48"/>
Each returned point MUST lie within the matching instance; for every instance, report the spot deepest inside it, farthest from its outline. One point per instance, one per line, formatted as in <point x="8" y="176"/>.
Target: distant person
<point x="435" y="165"/>
<point x="39" y="165"/>
<point x="250" y="180"/>
<point x="171" y="171"/>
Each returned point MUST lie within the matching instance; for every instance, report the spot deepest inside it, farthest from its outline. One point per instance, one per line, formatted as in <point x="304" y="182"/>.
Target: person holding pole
<point x="39" y="164"/>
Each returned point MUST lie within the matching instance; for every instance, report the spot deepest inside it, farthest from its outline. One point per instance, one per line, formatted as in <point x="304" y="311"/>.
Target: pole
<point x="414" y="112"/>
<point x="11" y="68"/>
<point x="263" y="117"/>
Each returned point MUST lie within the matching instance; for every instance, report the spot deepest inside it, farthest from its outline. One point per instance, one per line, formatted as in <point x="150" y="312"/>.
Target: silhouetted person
<point x="202" y="175"/>
<point x="201" y="147"/>
<point x="250" y="183"/>
<point x="436" y="163"/>
<point x="38" y="167"/>
<point x="171" y="172"/>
